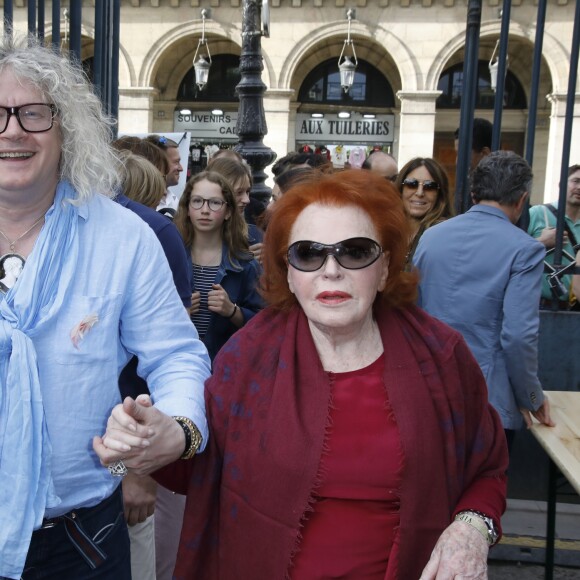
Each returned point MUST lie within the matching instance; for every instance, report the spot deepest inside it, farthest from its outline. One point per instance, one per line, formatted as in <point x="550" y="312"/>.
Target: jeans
<point x="52" y="555"/>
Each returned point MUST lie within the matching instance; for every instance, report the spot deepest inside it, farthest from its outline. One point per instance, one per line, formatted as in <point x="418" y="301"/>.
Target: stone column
<point x="136" y="109"/>
<point x="277" y="109"/>
<point x="417" y="124"/>
<point x="555" y="144"/>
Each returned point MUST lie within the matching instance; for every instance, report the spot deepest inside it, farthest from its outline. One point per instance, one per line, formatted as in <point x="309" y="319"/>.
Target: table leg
<point x="551" y="521"/>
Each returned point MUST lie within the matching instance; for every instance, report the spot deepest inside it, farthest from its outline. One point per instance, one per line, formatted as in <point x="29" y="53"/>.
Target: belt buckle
<point x="49" y="523"/>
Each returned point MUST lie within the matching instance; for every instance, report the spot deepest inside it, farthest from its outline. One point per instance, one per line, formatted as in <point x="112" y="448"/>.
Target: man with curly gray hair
<point x="95" y="288"/>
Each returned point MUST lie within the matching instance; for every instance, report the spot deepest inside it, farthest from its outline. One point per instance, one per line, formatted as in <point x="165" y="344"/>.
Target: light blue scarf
<point x="26" y="486"/>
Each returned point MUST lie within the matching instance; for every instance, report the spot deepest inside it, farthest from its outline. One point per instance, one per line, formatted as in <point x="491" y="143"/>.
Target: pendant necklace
<point x="208" y="265"/>
<point x="12" y="263"/>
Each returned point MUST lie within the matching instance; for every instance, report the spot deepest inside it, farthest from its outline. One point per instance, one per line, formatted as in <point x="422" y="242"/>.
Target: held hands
<point x="542" y="415"/>
<point x="140" y="435"/>
<point x="218" y="301"/>
<point x="460" y="552"/>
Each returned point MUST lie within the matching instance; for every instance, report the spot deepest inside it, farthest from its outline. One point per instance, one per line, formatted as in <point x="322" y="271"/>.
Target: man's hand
<point x="548" y="237"/>
<point x="141" y="436"/>
<point x="139" y="495"/>
<point x="542" y="415"/>
<point x="461" y="552"/>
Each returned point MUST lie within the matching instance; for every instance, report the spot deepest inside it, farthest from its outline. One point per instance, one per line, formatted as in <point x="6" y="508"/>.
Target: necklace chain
<point x="12" y="243"/>
<point x="213" y="258"/>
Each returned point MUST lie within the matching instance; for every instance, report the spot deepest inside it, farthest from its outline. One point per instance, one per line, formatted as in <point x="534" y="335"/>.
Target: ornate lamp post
<point x="251" y="126"/>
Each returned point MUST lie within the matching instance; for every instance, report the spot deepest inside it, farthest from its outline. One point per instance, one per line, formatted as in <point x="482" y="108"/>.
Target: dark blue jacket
<point x="239" y="279"/>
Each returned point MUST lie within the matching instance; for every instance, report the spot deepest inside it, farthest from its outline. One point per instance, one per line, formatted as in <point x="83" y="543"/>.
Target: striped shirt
<point x="203" y="278"/>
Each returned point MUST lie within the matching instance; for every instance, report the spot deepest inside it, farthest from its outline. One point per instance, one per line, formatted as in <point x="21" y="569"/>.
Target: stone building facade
<point x="409" y="53"/>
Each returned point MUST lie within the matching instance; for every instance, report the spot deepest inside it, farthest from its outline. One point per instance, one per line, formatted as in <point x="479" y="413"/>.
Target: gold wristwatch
<point x="193" y="438"/>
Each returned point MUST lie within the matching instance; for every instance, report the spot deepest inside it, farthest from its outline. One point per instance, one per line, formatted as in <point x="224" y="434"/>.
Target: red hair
<point x="365" y="190"/>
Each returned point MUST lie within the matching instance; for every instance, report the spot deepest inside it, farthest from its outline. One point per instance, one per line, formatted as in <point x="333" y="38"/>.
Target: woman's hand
<point x="141" y="436"/>
<point x="256" y="249"/>
<point x="460" y="553"/>
<point x="195" y="301"/>
<point x="218" y="301"/>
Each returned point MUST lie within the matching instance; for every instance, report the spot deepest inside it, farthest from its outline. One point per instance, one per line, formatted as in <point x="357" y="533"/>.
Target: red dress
<point x="350" y="532"/>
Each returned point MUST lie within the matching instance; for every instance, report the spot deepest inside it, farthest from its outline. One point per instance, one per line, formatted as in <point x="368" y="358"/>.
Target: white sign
<point x="331" y="129"/>
<point x="207" y="127"/>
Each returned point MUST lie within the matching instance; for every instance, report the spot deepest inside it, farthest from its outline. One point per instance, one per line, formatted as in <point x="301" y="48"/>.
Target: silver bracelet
<point x="482" y="523"/>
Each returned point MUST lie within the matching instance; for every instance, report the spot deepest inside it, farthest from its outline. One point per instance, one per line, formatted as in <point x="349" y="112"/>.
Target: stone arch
<point x="170" y="57"/>
<point x="554" y="57"/>
<point x="326" y="42"/>
<point x="127" y="76"/>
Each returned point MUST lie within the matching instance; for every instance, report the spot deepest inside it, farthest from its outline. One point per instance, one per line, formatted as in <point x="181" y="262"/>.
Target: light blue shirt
<point x="123" y="278"/>
<point x="482" y="275"/>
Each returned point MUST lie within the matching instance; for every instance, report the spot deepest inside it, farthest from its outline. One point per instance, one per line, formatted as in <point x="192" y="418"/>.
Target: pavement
<point x="520" y="555"/>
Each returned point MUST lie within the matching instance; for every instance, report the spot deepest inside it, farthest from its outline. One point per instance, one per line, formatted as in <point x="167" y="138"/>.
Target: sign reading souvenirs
<point x="207" y="127"/>
<point x="331" y="129"/>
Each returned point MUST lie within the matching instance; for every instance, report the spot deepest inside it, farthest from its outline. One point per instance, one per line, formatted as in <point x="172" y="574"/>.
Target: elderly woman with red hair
<point x="351" y="436"/>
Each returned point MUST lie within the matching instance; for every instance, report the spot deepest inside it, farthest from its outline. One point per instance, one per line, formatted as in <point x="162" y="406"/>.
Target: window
<point x="370" y="87"/>
<point x="451" y="83"/>
<point x="224" y="76"/>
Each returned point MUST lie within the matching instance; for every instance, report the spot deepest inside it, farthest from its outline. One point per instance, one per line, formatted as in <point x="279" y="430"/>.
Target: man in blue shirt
<point x="94" y="289"/>
<point x="482" y="275"/>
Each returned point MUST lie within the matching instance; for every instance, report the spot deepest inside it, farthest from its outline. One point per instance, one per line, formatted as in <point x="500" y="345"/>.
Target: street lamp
<point x="202" y="66"/>
<point x="494" y="68"/>
<point x="251" y="124"/>
<point x="347" y="67"/>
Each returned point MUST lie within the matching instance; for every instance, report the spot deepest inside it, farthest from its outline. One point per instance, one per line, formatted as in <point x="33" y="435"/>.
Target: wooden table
<point x="562" y="444"/>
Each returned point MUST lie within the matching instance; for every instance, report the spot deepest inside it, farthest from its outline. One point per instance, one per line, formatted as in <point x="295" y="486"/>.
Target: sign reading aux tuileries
<point x="331" y="129"/>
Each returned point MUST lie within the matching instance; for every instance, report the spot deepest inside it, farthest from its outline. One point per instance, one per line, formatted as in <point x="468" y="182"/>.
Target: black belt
<point x="91" y="552"/>
<point x="548" y="304"/>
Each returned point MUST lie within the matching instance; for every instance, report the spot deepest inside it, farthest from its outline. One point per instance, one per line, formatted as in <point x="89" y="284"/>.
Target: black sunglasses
<point x="428" y="184"/>
<point x="352" y="254"/>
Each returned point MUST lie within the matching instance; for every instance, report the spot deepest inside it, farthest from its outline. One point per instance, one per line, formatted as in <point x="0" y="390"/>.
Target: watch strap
<point x="193" y="438"/>
<point x="482" y="523"/>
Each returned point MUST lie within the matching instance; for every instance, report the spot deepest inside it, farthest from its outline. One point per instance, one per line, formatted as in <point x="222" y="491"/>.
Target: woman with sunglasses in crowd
<point x="351" y="433"/>
<point x="224" y="294"/>
<point x="424" y="188"/>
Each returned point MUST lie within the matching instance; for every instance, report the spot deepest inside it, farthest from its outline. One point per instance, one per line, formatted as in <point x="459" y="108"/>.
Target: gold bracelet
<point x="193" y="438"/>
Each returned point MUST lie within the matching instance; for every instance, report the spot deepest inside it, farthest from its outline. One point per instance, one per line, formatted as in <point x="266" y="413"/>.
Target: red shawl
<point x="267" y="406"/>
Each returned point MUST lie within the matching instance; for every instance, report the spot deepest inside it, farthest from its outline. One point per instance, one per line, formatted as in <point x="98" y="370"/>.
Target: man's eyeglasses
<point x="352" y="254"/>
<point x="32" y="118"/>
<point x="213" y="203"/>
<point x="428" y="184"/>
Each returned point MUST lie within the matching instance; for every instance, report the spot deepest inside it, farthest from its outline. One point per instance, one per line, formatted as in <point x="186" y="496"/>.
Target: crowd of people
<point x="332" y="392"/>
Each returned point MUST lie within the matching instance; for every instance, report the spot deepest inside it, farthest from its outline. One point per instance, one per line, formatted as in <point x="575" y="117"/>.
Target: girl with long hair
<point x="224" y="294"/>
